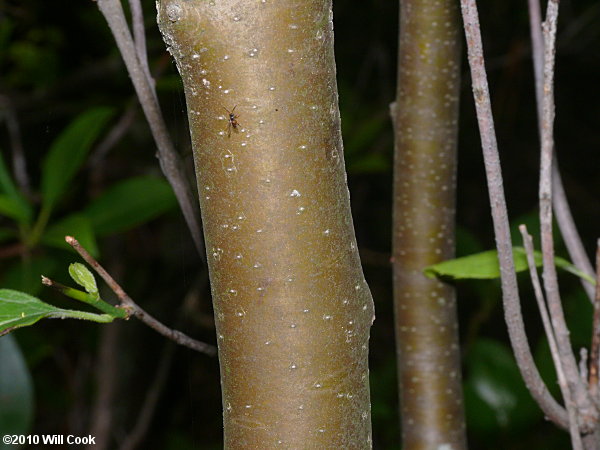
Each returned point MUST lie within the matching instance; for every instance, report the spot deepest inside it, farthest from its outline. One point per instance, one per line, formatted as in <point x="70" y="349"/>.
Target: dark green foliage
<point x="495" y="394"/>
<point x="68" y="152"/>
<point x="130" y="203"/>
<point x="16" y="391"/>
<point x="12" y="202"/>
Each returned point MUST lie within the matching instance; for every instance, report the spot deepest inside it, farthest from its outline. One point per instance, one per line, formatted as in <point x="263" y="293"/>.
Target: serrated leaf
<point x="12" y="203"/>
<point x="484" y="265"/>
<point x="77" y="225"/>
<point x="83" y="277"/>
<point x="130" y="203"/>
<point x="16" y="390"/>
<point x="68" y="152"/>
<point x="18" y="309"/>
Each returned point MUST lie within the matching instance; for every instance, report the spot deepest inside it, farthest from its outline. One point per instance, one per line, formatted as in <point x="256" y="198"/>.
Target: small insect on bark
<point x="233" y="123"/>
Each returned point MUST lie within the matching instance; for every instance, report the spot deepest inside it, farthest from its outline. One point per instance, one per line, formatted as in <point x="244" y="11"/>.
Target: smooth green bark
<point x="426" y="114"/>
<point x="292" y="308"/>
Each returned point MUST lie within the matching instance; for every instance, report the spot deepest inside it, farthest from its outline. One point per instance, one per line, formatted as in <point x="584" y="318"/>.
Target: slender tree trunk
<point x="426" y="115"/>
<point x="292" y="308"/>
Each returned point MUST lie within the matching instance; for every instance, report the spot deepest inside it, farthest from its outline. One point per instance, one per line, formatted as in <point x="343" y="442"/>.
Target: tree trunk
<point x="426" y="116"/>
<point x="292" y="308"/>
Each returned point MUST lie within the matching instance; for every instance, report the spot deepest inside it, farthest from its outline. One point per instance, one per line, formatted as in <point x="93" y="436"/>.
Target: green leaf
<point x="7" y="186"/>
<point x="12" y="203"/>
<point x="83" y="277"/>
<point x="16" y="390"/>
<point x="496" y="398"/>
<point x="485" y="265"/>
<point x="18" y="309"/>
<point x="68" y="152"/>
<point x="130" y="203"/>
<point x="77" y="225"/>
<point x="14" y="209"/>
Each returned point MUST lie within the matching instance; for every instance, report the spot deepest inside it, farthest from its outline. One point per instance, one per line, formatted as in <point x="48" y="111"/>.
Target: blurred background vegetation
<point x="58" y="59"/>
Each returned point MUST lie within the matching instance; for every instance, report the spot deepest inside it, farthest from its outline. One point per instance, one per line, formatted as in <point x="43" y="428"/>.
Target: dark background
<point x="57" y="58"/>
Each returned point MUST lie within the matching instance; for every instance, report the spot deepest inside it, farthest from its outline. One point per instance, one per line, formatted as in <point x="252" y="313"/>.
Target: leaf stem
<point x="40" y="225"/>
<point x="96" y="302"/>
<point x="136" y="310"/>
<point x="73" y="314"/>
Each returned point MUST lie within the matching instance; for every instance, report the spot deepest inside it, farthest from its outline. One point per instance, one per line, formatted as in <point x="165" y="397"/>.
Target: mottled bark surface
<point x="292" y="308"/>
<point x="426" y="114"/>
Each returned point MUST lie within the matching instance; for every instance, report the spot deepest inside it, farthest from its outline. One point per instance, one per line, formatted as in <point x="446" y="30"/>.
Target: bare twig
<point x="595" y="351"/>
<point x="583" y="364"/>
<point x="559" y="198"/>
<point x="114" y="135"/>
<point x="568" y="230"/>
<point x="510" y="294"/>
<point x="137" y="311"/>
<point x="537" y="47"/>
<point x="170" y="161"/>
<point x="577" y="389"/>
<point x="12" y="250"/>
<point x="139" y="37"/>
<point x="539" y="296"/>
<point x="153" y="394"/>
<point x="107" y="377"/>
<point x="144" y="420"/>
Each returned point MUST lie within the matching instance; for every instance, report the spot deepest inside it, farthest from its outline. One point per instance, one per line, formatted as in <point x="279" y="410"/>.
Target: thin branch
<point x="139" y="37"/>
<point x="541" y="302"/>
<point x="537" y="48"/>
<point x="114" y="135"/>
<point x="595" y="351"/>
<point x="583" y="364"/>
<point x="107" y="377"/>
<point x="560" y="203"/>
<point x="170" y="161"/>
<point x="568" y="230"/>
<point x="539" y="296"/>
<point x="510" y="293"/>
<point x="12" y="250"/>
<point x="137" y="311"/>
<point x="147" y="410"/>
<point x="576" y="387"/>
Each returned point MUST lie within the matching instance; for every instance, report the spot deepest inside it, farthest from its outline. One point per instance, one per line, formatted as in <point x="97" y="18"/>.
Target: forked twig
<point x="510" y="293"/>
<point x="560" y="203"/>
<point x="568" y="230"/>
<point x="578" y="391"/>
<point x="136" y="310"/>
<point x="549" y="330"/>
